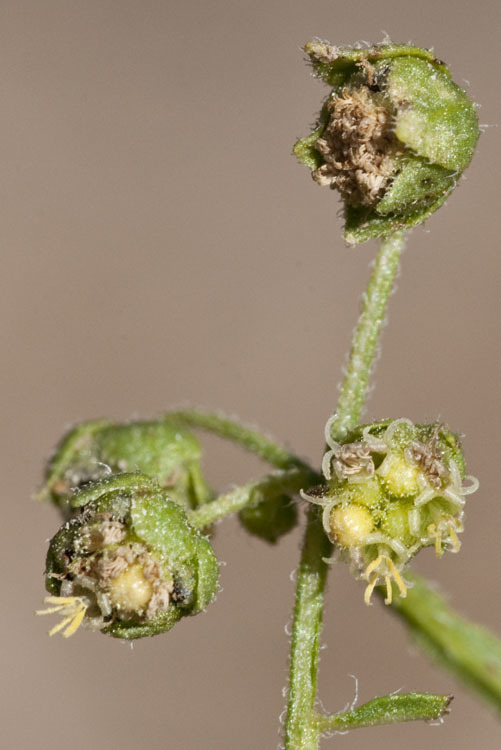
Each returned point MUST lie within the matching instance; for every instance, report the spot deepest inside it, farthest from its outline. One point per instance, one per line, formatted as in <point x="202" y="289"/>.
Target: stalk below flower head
<point x="392" y="488"/>
<point x="128" y="563"/>
<point x="393" y="136"/>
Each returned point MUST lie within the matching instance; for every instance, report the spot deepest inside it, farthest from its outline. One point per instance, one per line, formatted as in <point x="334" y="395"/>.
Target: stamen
<point x="73" y="608"/>
<point x="372" y="566"/>
<point x="389" y="590"/>
<point x="383" y="567"/>
<point x="398" y="578"/>
<point x="369" y="589"/>
<point x="436" y="534"/>
<point x="455" y="543"/>
<point x="445" y="530"/>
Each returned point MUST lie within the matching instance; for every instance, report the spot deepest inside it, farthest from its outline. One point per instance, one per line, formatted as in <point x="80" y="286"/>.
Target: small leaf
<point x="389" y="709"/>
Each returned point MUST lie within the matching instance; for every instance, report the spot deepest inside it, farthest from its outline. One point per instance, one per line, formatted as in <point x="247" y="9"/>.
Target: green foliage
<point x="388" y="709"/>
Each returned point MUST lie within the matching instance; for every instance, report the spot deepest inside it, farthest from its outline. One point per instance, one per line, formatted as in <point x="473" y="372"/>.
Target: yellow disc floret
<point x="130" y="591"/>
<point x="399" y="477"/>
<point x="350" y="524"/>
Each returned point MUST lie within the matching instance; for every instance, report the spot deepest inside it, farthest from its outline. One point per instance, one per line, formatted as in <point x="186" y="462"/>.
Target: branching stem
<point x="292" y="481"/>
<point x="302" y="729"/>
<point x="233" y="430"/>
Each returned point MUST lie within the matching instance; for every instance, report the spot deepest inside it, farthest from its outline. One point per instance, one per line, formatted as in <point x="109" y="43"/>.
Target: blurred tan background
<point x="161" y="247"/>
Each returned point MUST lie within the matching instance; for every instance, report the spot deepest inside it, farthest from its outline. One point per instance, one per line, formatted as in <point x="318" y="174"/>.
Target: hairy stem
<point x="302" y="731"/>
<point x="292" y="481"/>
<point x="366" y="338"/>
<point x="233" y="430"/>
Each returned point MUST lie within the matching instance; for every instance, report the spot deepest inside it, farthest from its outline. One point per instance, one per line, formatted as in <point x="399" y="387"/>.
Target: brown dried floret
<point x="352" y="459"/>
<point x="358" y="146"/>
<point x="429" y="457"/>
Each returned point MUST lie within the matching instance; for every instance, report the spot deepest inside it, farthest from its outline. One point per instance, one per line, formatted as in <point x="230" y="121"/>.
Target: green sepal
<point x="435" y="117"/>
<point x="305" y="149"/>
<point x="346" y="60"/>
<point x="163" y="526"/>
<point x="163" y="450"/>
<point x="415" y="187"/>
<point x="130" y="630"/>
<point x="270" y="518"/>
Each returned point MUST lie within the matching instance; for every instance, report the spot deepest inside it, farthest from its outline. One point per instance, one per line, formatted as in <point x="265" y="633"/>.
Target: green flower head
<point x="392" y="488"/>
<point x="393" y="136"/>
<point x="163" y="449"/>
<point x="128" y="563"/>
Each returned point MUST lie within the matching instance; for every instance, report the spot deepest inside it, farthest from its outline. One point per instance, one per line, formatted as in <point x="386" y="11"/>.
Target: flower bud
<point x="128" y="563"/>
<point x="269" y="516"/>
<point x="393" y="488"/>
<point x="393" y="136"/>
<point x="162" y="450"/>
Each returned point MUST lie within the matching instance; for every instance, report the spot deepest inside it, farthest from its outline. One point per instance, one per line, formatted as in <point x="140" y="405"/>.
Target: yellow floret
<point x="350" y="524"/>
<point x="130" y="590"/>
<point x="399" y="477"/>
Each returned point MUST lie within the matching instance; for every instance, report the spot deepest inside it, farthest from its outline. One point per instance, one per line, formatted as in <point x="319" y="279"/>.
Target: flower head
<point x="393" y="488"/>
<point x="393" y="136"/>
<point x="128" y="563"/>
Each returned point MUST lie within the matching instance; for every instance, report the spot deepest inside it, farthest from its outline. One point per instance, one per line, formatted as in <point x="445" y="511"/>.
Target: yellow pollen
<point x="349" y="525"/>
<point x="130" y="590"/>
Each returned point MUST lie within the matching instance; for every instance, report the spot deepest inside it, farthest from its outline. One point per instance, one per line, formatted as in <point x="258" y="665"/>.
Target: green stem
<point x="302" y="731"/>
<point x="365" y="341"/>
<point x="292" y="481"/>
<point x="389" y="709"/>
<point x="231" y="429"/>
<point x="469" y="651"/>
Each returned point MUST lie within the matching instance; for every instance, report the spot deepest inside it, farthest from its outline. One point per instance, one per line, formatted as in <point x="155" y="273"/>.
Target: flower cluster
<point x="393" y="488"/>
<point x="128" y="563"/>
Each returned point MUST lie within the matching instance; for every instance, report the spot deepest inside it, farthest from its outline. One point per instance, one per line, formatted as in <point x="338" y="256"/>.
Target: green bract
<point x="163" y="450"/>
<point x="393" y="488"/>
<point x="393" y="136"/>
<point x="128" y="563"/>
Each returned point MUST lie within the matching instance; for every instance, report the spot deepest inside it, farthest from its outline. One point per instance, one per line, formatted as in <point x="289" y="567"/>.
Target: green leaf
<point x="388" y="709"/>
